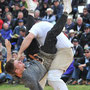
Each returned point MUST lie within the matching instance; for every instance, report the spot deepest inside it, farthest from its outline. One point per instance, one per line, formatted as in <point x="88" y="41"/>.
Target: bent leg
<point x="51" y="40"/>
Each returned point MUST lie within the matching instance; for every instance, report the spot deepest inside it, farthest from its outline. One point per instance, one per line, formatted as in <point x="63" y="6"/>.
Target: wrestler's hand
<point x="19" y="55"/>
<point x="8" y="45"/>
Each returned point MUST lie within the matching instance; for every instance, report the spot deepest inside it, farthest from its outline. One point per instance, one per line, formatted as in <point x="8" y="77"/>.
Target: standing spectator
<point x="58" y="9"/>
<point x="86" y="16"/>
<point x="50" y="17"/>
<point x="6" y="32"/>
<point x="85" y="37"/>
<point x="75" y="4"/>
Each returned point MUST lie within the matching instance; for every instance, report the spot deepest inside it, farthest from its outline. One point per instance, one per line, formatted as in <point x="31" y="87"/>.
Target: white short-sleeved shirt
<point x="40" y="30"/>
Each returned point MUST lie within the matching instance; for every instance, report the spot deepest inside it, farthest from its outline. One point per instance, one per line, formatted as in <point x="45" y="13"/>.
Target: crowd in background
<point x="13" y="18"/>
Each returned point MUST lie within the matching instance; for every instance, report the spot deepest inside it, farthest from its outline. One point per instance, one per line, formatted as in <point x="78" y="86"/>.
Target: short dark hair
<point x="9" y="67"/>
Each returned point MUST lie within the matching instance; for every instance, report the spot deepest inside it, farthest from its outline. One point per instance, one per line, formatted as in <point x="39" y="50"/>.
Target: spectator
<point x="57" y="8"/>
<point x="79" y="26"/>
<point x="43" y="9"/>
<point x="17" y="28"/>
<point x="14" y="54"/>
<point x="7" y="10"/>
<point x="69" y="24"/>
<point x="37" y="15"/>
<point x="71" y="35"/>
<point x="85" y="37"/>
<point x="50" y="17"/>
<point x="8" y="19"/>
<point x="20" y="17"/>
<point x="3" y="3"/>
<point x="16" y="10"/>
<point x="24" y="10"/>
<point x="82" y="66"/>
<point x="21" y="38"/>
<point x="86" y="16"/>
<point x="6" y="32"/>
<point x="77" y="50"/>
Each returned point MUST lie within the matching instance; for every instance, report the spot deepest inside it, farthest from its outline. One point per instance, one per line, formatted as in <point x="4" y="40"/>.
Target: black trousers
<point x="51" y="40"/>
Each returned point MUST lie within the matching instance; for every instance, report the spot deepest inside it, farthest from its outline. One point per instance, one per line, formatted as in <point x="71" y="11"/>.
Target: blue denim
<point x="88" y="74"/>
<point x="76" y="73"/>
<point x="2" y="77"/>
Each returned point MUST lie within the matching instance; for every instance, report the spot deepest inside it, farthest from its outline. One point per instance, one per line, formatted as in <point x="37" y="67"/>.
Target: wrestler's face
<point x="19" y="66"/>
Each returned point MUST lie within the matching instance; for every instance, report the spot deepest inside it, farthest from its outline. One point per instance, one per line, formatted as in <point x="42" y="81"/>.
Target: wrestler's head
<point x="14" y="67"/>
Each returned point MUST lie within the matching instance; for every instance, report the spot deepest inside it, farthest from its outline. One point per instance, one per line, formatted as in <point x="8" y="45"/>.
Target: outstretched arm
<point x="8" y="47"/>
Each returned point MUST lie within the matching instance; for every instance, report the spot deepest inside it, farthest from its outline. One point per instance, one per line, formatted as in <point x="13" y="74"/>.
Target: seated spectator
<point x="3" y="3"/>
<point x="37" y="15"/>
<point x="8" y="18"/>
<point x="21" y="38"/>
<point x="69" y="24"/>
<point x="79" y="26"/>
<point x="17" y="28"/>
<point x="82" y="68"/>
<point x="86" y="16"/>
<point x="6" y="32"/>
<point x="2" y="73"/>
<point x="43" y="9"/>
<point x="57" y="8"/>
<point x="14" y="54"/>
<point x="77" y="50"/>
<point x="71" y="35"/>
<point x="16" y="10"/>
<point x="49" y="16"/>
<point x="24" y="10"/>
<point x="20" y="17"/>
<point x="85" y="37"/>
<point x="7" y="10"/>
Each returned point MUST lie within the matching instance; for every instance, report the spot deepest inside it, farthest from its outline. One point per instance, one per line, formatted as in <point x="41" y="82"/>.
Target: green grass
<point x="21" y="87"/>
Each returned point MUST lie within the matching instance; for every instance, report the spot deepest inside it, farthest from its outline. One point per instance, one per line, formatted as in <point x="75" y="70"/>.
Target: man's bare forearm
<point x="26" y="42"/>
<point x="8" y="47"/>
